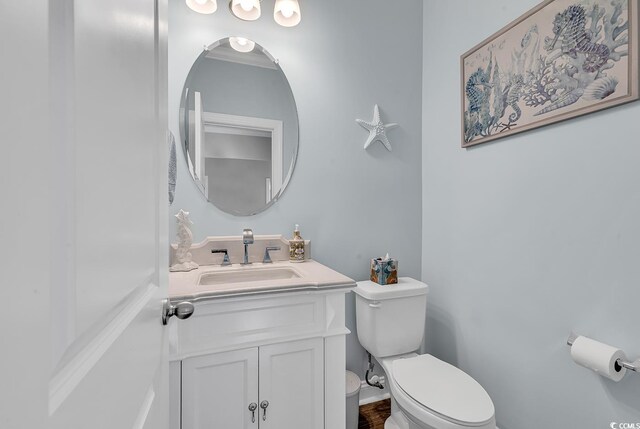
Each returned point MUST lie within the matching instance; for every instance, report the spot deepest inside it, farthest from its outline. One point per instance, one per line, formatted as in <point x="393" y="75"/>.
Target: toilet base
<point x="390" y="423"/>
<point x="397" y="420"/>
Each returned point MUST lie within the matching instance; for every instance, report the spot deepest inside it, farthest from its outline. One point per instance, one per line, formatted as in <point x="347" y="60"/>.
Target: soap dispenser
<point x="296" y="246"/>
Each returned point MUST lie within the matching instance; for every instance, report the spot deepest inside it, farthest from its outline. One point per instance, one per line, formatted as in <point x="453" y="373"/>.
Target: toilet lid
<point x="444" y="389"/>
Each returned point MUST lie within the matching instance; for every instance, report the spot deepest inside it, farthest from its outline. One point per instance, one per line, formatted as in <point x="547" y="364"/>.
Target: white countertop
<point x="313" y="276"/>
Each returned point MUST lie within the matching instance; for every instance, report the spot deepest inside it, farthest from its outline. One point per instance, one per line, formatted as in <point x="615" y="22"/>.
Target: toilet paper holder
<point x="631" y="366"/>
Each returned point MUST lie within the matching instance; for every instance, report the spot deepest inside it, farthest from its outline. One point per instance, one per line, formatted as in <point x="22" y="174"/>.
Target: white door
<point x="220" y="391"/>
<point x="292" y="383"/>
<point x="83" y="110"/>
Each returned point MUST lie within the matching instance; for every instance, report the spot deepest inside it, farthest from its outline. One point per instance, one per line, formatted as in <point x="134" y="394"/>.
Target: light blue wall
<point x="526" y="239"/>
<point x="343" y="58"/>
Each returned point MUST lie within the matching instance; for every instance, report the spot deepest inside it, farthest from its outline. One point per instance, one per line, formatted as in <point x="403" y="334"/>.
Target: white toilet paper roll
<point x="598" y="357"/>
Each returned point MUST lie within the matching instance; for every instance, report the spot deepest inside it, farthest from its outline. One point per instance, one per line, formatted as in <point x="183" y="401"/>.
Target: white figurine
<point x="185" y="239"/>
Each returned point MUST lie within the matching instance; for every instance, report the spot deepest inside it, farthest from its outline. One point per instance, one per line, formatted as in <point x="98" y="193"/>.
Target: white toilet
<point x="426" y="393"/>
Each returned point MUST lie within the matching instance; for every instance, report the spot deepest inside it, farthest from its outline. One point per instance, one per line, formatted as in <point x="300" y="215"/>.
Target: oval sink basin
<point x="247" y="274"/>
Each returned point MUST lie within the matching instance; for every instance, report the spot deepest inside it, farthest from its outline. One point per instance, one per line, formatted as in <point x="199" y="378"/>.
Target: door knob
<point x="183" y="310"/>
<point x="264" y="405"/>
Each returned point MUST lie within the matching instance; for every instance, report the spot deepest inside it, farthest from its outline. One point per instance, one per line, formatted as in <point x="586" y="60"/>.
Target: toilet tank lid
<point x="405" y="287"/>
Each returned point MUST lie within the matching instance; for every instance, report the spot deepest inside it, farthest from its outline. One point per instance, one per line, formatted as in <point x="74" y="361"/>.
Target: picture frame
<point x="560" y="60"/>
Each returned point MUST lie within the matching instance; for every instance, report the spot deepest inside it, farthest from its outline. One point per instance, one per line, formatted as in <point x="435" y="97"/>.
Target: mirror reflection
<point x="239" y="126"/>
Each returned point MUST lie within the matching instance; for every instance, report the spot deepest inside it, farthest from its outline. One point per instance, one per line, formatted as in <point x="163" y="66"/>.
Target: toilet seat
<point x="443" y="389"/>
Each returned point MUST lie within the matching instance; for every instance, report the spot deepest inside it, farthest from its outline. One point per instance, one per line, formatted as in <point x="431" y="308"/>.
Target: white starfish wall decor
<point x="377" y="129"/>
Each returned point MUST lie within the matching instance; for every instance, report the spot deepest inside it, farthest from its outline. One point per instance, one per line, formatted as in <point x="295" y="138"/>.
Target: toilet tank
<point x="391" y="318"/>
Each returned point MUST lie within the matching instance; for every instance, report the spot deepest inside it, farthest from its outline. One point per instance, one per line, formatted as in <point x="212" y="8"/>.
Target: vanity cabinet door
<point x="292" y="381"/>
<point x="218" y="389"/>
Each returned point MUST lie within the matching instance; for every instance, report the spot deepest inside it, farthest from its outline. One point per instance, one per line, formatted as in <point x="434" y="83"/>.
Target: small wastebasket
<point x="353" y="400"/>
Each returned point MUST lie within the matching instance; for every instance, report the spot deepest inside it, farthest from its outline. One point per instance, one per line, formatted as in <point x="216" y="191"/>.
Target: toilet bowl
<point x="426" y="392"/>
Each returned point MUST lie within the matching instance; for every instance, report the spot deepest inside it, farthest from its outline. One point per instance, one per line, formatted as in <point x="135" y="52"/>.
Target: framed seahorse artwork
<point x="562" y="59"/>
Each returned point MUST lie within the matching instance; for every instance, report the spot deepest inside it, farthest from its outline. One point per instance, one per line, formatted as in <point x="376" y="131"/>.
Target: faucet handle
<point x="247" y="236"/>
<point x="267" y="257"/>
<point x="225" y="259"/>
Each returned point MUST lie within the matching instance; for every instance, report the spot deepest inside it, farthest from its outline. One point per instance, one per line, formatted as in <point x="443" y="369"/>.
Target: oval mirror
<point x="239" y="126"/>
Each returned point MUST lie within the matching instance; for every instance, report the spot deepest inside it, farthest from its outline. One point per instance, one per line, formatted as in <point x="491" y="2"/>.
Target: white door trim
<point x="272" y="126"/>
<point x="199" y="137"/>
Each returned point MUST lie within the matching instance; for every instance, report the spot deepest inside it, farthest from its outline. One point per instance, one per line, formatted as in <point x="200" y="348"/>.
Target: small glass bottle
<point x="296" y="246"/>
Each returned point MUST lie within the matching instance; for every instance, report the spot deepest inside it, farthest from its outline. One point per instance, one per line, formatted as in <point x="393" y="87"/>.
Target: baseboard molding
<point x="369" y="394"/>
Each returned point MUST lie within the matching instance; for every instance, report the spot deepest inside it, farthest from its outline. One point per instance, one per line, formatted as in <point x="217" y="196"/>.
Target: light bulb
<point x="242" y="44"/>
<point x="203" y="6"/>
<point x="287" y="13"/>
<point x="246" y="10"/>
<point x="287" y="10"/>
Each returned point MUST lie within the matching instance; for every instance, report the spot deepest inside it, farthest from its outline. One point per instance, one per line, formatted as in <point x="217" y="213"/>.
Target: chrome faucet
<point x="267" y="256"/>
<point x="247" y="239"/>
<point x="225" y="259"/>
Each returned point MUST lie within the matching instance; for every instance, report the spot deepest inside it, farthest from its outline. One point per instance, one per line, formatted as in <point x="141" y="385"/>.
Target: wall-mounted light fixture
<point x="241" y="44"/>
<point x="203" y="6"/>
<point x="246" y="10"/>
<point x="287" y="13"/>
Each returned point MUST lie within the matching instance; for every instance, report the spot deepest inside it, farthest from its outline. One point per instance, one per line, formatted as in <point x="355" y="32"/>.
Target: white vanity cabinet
<point x="275" y="386"/>
<point x="291" y="379"/>
<point x="284" y="349"/>
<point x="217" y="390"/>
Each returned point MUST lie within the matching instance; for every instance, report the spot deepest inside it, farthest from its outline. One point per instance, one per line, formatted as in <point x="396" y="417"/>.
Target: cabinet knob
<point x="253" y="407"/>
<point x="264" y="405"/>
